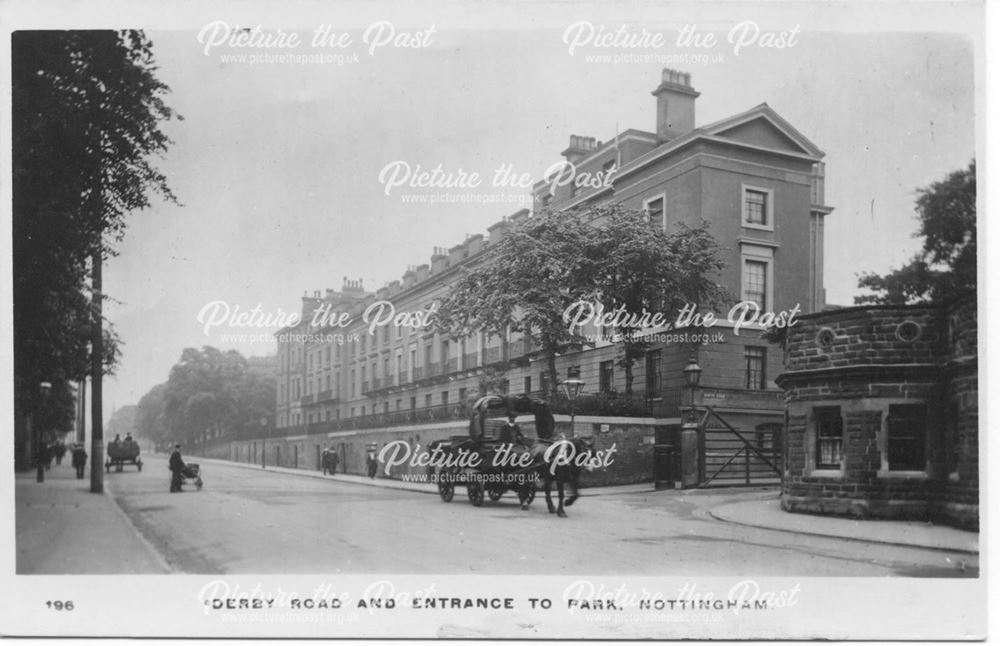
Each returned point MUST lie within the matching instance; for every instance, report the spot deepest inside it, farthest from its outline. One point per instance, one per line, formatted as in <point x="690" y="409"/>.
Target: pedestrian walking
<point x="325" y="461"/>
<point x="372" y="463"/>
<point x="79" y="460"/>
<point x="334" y="459"/>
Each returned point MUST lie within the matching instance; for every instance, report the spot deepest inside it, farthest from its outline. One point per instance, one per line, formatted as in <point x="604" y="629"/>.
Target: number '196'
<point x="59" y="605"/>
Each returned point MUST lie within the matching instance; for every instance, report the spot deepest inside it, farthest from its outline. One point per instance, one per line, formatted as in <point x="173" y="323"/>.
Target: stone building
<point x="882" y="405"/>
<point x="753" y="176"/>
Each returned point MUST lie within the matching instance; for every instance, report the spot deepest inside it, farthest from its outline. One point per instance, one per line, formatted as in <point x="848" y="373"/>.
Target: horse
<point x="560" y="462"/>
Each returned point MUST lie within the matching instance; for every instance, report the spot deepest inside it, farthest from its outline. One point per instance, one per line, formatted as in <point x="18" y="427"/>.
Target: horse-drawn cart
<point x="483" y="469"/>
<point x="490" y="463"/>
<point x="120" y="453"/>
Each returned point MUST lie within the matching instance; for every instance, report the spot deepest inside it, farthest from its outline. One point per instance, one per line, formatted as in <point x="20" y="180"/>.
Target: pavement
<point x="91" y="528"/>
<point x="63" y="528"/>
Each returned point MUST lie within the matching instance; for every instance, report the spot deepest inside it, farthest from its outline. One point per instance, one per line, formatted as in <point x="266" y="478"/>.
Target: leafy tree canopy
<point x="945" y="267"/>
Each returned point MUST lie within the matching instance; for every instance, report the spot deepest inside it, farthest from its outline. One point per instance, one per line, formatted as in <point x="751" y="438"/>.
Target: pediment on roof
<point x="763" y="127"/>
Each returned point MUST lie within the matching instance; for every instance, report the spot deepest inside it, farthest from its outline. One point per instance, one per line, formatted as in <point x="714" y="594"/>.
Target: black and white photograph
<point x="504" y="320"/>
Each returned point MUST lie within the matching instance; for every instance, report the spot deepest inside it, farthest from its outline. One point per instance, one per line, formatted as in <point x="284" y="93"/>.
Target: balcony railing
<point x="450" y="366"/>
<point x="400" y="378"/>
<point x="418" y="373"/>
<point x="469" y="361"/>
<point x="306" y="400"/>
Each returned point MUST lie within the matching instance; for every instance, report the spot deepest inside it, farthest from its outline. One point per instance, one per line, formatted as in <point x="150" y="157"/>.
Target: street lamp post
<point x="263" y="443"/>
<point x="44" y="388"/>
<point x="690" y="460"/>
<point x="572" y="388"/>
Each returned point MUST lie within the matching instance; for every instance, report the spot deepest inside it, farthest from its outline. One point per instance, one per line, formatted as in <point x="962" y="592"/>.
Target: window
<point x="427" y="400"/>
<point x="829" y="437"/>
<point x="755" y="368"/>
<point x="527" y="384"/>
<point x="607" y="376"/>
<point x="462" y="394"/>
<point x="907" y="437"/>
<point x="385" y="407"/>
<point x="413" y="402"/>
<point x="755" y="282"/>
<point x="399" y="404"/>
<point x="758" y="208"/>
<point x="543" y="382"/>
<point x="654" y="210"/>
<point x="653" y="362"/>
<point x="444" y="397"/>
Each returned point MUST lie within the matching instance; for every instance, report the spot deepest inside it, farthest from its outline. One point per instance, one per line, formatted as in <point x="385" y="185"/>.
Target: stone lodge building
<point x="883" y="414"/>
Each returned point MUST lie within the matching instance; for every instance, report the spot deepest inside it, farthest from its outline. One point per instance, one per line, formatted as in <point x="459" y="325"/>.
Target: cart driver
<point x="511" y="432"/>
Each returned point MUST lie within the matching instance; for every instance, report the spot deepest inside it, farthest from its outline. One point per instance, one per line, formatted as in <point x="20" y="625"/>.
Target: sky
<point x="276" y="165"/>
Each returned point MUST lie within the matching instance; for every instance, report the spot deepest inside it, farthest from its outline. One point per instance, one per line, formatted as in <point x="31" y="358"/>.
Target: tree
<point x="549" y="262"/>
<point x="210" y="393"/>
<point x="524" y="285"/>
<point x="643" y="268"/>
<point x="86" y="109"/>
<point x="945" y="267"/>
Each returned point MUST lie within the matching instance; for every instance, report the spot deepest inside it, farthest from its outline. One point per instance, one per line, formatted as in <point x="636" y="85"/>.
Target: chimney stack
<point x="674" y="105"/>
<point x="579" y="147"/>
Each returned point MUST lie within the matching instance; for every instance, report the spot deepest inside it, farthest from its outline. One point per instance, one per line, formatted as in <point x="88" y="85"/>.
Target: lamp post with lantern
<point x="690" y="460"/>
<point x="44" y="388"/>
<point x="263" y="442"/>
<point x="572" y="387"/>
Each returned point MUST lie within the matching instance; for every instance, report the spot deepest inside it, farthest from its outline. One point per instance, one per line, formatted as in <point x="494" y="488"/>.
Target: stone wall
<point x="865" y="361"/>
<point x="632" y="461"/>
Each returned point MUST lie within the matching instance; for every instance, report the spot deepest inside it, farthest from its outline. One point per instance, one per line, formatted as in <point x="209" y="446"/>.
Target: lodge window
<point x="444" y="397"/>
<point x="607" y="376"/>
<point x="543" y="381"/>
<point x="758" y="208"/>
<point x="527" y="384"/>
<point x="756" y="364"/>
<point x="829" y="437"/>
<point x="654" y="359"/>
<point x="907" y="438"/>
<point x="427" y="400"/>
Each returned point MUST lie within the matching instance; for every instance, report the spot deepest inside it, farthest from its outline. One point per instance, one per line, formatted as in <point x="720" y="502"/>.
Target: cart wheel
<point x="495" y="493"/>
<point x="446" y="490"/>
<point x="475" y="489"/>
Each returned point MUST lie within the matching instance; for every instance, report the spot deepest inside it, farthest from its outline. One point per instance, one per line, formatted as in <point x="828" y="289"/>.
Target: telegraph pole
<point x="96" y="370"/>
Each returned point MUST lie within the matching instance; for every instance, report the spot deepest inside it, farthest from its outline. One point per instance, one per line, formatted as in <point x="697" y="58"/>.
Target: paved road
<point x="249" y="521"/>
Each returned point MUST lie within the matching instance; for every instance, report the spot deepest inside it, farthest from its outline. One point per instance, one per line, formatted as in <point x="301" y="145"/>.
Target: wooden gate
<point x="734" y="458"/>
